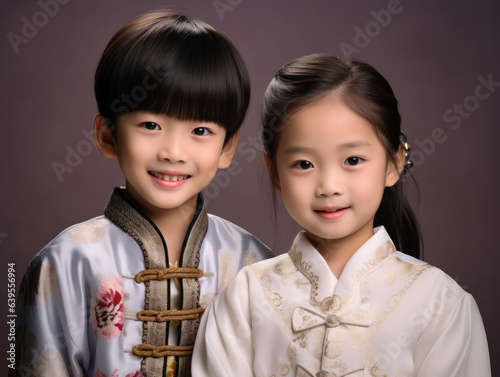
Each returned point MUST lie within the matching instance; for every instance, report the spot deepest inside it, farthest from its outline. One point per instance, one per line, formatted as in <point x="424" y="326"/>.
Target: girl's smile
<point x="331" y="213"/>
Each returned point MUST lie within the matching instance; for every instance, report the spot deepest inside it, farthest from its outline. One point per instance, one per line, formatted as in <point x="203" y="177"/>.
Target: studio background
<point x="441" y="58"/>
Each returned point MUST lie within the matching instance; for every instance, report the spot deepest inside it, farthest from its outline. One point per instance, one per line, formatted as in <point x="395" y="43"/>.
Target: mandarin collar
<point x="328" y="292"/>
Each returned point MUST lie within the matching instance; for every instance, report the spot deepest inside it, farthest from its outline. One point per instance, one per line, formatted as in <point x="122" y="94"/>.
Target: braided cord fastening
<point x="147" y="350"/>
<point x="169" y="315"/>
<point x="168" y="273"/>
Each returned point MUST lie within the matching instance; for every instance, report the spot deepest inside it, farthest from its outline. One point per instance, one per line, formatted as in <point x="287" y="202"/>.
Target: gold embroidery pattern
<point x="226" y="268"/>
<point x="328" y="304"/>
<point x="381" y="253"/>
<point x="88" y="232"/>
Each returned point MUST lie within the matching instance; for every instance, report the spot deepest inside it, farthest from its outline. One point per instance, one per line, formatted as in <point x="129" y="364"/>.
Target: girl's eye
<point x="353" y="161"/>
<point x="150" y="126"/>
<point x="201" y="131"/>
<point x="304" y="165"/>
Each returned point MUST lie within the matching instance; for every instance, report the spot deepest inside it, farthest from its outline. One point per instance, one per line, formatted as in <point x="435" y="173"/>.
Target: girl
<point x="343" y="301"/>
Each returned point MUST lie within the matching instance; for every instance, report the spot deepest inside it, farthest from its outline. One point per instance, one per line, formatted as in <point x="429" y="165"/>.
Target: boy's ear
<point x="394" y="171"/>
<point x="228" y="151"/>
<point x="103" y="137"/>
<point x="274" y="177"/>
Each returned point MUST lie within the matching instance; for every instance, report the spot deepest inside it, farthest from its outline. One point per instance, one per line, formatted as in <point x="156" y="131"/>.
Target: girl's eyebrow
<point x="349" y="145"/>
<point x="355" y="144"/>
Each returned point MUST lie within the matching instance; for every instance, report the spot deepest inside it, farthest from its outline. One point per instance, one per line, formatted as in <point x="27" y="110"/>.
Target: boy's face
<point x="167" y="162"/>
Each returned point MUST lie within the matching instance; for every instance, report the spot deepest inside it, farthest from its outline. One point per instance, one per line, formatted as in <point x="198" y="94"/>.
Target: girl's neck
<point x="337" y="252"/>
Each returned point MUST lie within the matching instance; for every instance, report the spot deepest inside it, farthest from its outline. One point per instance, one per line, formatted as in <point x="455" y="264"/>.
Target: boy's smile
<point x="167" y="162"/>
<point x="162" y="177"/>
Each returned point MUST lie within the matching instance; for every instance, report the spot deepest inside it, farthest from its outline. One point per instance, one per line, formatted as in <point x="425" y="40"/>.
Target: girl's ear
<point x="395" y="169"/>
<point x="228" y="151"/>
<point x="274" y="177"/>
<point x="103" y="137"/>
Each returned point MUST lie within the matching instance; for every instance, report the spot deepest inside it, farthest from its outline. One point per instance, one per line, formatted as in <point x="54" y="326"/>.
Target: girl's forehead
<point x="327" y="121"/>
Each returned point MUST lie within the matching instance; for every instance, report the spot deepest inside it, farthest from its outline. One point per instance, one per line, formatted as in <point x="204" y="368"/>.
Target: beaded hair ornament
<point x="407" y="147"/>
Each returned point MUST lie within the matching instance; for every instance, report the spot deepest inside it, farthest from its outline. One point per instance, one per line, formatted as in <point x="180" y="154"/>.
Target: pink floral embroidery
<point x="136" y="374"/>
<point x="98" y="373"/>
<point x="115" y="373"/>
<point x="107" y="314"/>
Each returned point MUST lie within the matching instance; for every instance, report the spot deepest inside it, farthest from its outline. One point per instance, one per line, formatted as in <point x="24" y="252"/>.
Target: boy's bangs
<point x="198" y="79"/>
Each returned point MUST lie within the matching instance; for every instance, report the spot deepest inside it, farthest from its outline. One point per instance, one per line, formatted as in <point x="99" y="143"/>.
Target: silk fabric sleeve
<point x="454" y="344"/>
<point x="51" y="339"/>
<point x="224" y="345"/>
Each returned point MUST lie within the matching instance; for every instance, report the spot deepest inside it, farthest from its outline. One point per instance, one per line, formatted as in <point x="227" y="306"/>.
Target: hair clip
<point x="407" y="147"/>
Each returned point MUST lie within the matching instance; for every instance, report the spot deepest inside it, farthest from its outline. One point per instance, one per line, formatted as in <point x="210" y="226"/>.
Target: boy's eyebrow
<point x="298" y="149"/>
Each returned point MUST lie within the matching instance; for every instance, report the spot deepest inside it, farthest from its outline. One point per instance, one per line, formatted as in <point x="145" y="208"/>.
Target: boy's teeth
<point x="169" y="178"/>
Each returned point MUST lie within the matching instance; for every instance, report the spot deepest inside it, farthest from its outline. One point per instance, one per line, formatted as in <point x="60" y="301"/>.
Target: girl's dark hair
<point x="365" y="91"/>
<point x="166" y="63"/>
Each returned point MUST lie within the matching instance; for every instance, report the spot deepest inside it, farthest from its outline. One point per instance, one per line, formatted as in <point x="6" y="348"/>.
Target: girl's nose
<point x="329" y="184"/>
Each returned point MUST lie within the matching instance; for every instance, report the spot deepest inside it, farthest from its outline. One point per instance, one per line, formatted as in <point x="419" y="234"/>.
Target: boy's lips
<point x="169" y="176"/>
<point x="331" y="213"/>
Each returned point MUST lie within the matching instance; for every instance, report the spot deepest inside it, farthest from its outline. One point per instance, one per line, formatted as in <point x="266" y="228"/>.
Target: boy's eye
<point x="304" y="165"/>
<point x="150" y="126"/>
<point x="201" y="131"/>
<point x="352" y="161"/>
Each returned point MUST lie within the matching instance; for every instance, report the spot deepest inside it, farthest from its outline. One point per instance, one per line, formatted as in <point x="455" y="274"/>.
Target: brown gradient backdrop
<point x="431" y="52"/>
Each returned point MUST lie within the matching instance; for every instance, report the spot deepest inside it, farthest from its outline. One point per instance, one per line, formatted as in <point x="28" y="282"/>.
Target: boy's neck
<point x="172" y="223"/>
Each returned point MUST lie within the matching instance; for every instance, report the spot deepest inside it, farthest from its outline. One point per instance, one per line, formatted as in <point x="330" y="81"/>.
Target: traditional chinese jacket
<point x="102" y="299"/>
<point x="388" y="314"/>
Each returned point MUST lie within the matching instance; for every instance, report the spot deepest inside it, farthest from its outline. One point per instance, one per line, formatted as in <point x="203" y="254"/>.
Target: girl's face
<point x="332" y="171"/>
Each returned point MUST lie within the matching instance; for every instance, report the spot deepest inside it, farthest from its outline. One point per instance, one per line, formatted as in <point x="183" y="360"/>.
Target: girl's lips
<point x="332" y="213"/>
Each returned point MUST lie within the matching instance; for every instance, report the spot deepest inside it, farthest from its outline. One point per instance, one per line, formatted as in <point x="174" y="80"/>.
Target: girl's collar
<point x="327" y="292"/>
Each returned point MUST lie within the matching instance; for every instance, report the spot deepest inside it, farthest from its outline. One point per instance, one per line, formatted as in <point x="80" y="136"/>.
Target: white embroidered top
<point x="388" y="315"/>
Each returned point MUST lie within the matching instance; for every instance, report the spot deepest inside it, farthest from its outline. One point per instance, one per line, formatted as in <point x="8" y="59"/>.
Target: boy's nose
<point x="172" y="150"/>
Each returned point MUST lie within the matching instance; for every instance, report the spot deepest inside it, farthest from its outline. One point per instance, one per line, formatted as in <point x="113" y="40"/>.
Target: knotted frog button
<point x="332" y="321"/>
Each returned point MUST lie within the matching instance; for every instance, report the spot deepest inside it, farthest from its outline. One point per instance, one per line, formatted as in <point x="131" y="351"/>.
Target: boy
<point x="121" y="294"/>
